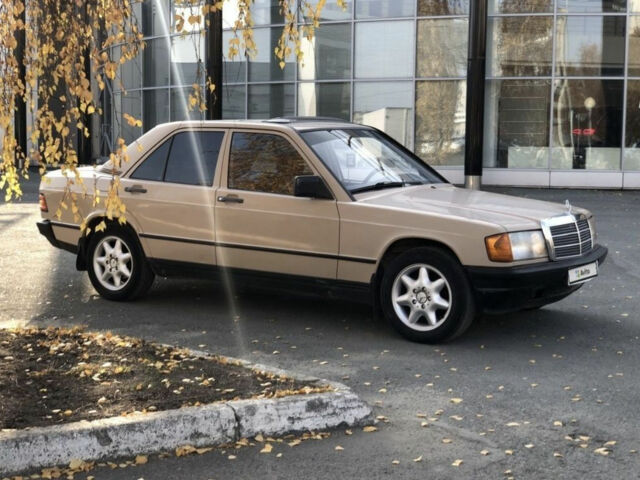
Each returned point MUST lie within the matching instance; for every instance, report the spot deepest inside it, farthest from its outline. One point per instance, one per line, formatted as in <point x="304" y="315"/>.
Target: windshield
<point x="363" y="159"/>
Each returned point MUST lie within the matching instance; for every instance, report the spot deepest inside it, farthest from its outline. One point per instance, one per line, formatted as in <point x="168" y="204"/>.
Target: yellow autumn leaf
<point x="267" y="448"/>
<point x="457" y="463"/>
<point x="370" y="429"/>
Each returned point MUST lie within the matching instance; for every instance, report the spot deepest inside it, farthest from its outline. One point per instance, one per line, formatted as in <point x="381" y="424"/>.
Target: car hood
<point x="510" y="212"/>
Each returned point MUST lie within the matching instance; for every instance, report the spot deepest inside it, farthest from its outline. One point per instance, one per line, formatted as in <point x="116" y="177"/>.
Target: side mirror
<point x="311" y="186"/>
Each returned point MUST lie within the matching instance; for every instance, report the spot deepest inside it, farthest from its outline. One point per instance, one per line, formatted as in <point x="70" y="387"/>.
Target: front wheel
<point x="117" y="267"/>
<point x="426" y="295"/>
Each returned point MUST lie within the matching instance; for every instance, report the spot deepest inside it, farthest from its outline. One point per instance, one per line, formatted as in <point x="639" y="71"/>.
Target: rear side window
<point x="193" y="158"/>
<point x="264" y="163"/>
<point x="153" y="166"/>
<point x="188" y="157"/>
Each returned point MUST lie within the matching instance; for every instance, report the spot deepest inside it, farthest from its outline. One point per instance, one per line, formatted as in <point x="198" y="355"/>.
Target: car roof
<point x="296" y="123"/>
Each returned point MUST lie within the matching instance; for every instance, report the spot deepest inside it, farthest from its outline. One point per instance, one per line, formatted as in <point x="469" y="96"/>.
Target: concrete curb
<point x="201" y="426"/>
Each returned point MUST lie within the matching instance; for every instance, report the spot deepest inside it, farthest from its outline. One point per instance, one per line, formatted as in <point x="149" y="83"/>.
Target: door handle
<point x="135" y="189"/>
<point x="230" y="199"/>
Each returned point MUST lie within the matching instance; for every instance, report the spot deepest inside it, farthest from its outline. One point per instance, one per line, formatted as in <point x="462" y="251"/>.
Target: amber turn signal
<point x="43" y="203"/>
<point x="499" y="248"/>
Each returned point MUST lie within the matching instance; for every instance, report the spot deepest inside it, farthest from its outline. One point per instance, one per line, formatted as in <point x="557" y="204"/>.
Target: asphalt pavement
<point x="537" y="394"/>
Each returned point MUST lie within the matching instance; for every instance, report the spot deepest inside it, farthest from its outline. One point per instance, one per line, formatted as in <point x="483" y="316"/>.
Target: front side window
<point x="363" y="159"/>
<point x="188" y="158"/>
<point x="264" y="163"/>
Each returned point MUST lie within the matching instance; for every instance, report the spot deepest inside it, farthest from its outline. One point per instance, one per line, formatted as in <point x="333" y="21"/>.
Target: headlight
<point x="509" y="247"/>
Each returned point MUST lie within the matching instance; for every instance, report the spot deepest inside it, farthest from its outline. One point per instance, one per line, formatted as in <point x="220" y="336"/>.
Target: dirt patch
<point x="55" y="376"/>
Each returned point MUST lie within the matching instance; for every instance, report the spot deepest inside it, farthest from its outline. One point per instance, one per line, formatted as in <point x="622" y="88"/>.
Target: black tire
<point x="141" y="276"/>
<point x="449" y="322"/>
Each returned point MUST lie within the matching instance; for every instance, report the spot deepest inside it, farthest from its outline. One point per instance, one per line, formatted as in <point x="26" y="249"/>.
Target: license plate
<point x="583" y="273"/>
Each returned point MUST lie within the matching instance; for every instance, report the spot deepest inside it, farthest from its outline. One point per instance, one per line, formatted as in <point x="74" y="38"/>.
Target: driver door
<point x="260" y="224"/>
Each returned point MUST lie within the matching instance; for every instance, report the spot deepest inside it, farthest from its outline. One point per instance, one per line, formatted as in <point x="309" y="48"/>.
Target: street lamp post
<point x="475" y="94"/>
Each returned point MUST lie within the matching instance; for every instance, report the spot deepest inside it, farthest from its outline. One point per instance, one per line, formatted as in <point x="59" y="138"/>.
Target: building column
<point x="213" y="62"/>
<point x="20" y="114"/>
<point x="476" y="69"/>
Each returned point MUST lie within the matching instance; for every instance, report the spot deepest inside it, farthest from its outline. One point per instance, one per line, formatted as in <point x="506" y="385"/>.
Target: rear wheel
<point x="117" y="267"/>
<point x="426" y="296"/>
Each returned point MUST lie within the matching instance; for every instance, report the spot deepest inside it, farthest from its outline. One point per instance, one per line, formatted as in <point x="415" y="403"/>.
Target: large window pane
<point x="632" y="155"/>
<point x="132" y="105"/>
<point x="440" y="121"/>
<point x="233" y="69"/>
<point x="187" y="10"/>
<point x="156" y="63"/>
<point x="332" y="11"/>
<point x="129" y="72"/>
<point x="520" y="6"/>
<point x="155" y="17"/>
<point x="180" y="109"/>
<point x="590" y="46"/>
<point x="185" y="67"/>
<point x="592" y="6"/>
<point x="384" y="8"/>
<point x="265" y="66"/>
<point x="386" y="106"/>
<point x="268" y="101"/>
<point x="442" y="7"/>
<point x="265" y="12"/>
<point x="328" y="55"/>
<point x="634" y="46"/>
<point x="587" y="124"/>
<point x="634" y="6"/>
<point x="324" y="99"/>
<point x="517" y="124"/>
<point x="520" y="46"/>
<point x="384" y="49"/>
<point x="442" y="47"/>
<point x="233" y="99"/>
<point x="156" y="107"/>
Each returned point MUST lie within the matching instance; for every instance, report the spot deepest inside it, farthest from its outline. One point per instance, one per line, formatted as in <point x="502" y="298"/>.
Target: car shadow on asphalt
<point x="240" y="313"/>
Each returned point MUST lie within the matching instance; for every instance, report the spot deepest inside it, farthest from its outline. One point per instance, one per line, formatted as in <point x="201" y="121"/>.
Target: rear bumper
<point x="45" y="227"/>
<point x="501" y="290"/>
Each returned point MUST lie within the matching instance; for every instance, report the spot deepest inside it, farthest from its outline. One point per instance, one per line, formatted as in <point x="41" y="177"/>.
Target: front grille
<point x="570" y="239"/>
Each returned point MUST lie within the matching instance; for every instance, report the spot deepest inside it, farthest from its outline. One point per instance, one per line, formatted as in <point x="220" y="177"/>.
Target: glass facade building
<point x="562" y="101"/>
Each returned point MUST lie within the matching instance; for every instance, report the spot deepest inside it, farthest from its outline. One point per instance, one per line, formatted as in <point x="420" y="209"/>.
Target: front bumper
<point x="508" y="289"/>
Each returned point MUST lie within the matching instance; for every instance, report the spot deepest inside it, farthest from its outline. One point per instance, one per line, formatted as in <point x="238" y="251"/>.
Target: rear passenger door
<point x="260" y="224"/>
<point x="171" y="195"/>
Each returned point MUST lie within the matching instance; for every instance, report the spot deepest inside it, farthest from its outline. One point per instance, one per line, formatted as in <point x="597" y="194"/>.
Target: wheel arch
<point x="92" y="222"/>
<point x="398" y="246"/>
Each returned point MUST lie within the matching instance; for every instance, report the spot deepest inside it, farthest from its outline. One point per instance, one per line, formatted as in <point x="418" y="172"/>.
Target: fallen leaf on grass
<point x="558" y="455"/>
<point x="457" y="463"/>
<point x="610" y="443"/>
<point x="419" y="459"/>
<point x="557" y="423"/>
<point x="395" y="462"/>
<point x="339" y="448"/>
<point x="456" y="400"/>
<point x="485" y="452"/>
<point x="267" y="448"/>
<point x="446" y="440"/>
<point x="141" y="459"/>
<point x="529" y="445"/>
<point x="370" y="429"/>
<point x="604" y="451"/>
<point x="508" y="452"/>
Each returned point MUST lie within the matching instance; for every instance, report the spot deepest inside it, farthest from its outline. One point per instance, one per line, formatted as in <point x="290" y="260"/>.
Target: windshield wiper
<point x="382" y="186"/>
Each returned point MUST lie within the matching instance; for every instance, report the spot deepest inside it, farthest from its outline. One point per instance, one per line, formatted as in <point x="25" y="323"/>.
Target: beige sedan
<point x="328" y="203"/>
